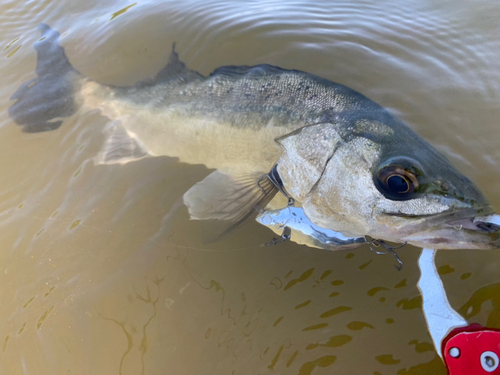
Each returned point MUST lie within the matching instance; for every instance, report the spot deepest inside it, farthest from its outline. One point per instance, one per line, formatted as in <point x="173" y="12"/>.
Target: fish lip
<point x="473" y="219"/>
<point x="470" y="219"/>
<point x="493" y="220"/>
<point x="451" y="215"/>
<point x="471" y="224"/>
<point x="460" y="230"/>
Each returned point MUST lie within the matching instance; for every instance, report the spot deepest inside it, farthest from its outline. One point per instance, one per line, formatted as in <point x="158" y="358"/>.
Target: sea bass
<point x="352" y="166"/>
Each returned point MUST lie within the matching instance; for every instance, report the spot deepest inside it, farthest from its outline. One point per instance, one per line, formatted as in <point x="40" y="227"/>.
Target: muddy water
<point x="103" y="273"/>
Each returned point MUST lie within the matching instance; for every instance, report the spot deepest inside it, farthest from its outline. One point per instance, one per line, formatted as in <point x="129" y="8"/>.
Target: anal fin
<point x="120" y="147"/>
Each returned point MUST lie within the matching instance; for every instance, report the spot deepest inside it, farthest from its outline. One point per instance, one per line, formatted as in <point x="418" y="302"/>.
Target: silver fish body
<point x="352" y="166"/>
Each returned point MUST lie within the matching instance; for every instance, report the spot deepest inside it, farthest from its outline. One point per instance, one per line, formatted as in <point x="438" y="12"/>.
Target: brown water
<point x="103" y="273"/>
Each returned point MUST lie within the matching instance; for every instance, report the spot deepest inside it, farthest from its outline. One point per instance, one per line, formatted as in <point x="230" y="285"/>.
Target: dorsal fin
<point x="232" y="70"/>
<point x="174" y="70"/>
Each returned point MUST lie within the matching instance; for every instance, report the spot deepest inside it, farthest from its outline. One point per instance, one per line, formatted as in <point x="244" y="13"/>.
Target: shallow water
<point x="103" y="273"/>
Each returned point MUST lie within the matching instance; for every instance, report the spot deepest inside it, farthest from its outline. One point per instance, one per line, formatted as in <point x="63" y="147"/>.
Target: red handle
<point x="472" y="350"/>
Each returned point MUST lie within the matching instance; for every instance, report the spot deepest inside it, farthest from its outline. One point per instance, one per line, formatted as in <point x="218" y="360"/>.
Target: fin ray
<point x="120" y="146"/>
<point x="231" y="199"/>
<point x="174" y="70"/>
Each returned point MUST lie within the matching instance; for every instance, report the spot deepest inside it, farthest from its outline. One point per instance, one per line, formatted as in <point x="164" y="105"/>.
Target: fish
<point x="266" y="132"/>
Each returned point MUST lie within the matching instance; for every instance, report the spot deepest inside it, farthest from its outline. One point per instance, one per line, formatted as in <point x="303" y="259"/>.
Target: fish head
<point x="375" y="176"/>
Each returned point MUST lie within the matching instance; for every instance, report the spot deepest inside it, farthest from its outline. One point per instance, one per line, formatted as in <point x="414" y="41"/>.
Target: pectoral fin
<point x="232" y="199"/>
<point x="120" y="147"/>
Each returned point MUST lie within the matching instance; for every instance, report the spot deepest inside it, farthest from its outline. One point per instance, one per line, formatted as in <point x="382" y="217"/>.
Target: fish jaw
<point x="459" y="230"/>
<point x="455" y="239"/>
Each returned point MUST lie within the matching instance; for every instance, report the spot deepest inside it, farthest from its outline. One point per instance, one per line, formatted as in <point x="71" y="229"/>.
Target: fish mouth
<point x="486" y="224"/>
<point x="467" y="219"/>
<point x="470" y="228"/>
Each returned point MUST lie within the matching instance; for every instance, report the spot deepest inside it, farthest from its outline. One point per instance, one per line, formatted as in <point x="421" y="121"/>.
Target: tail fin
<point x="42" y="101"/>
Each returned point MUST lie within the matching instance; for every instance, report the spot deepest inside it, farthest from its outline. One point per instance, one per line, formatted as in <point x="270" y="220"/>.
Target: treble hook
<point x="388" y="249"/>
<point x="275" y="179"/>
<point x="285" y="236"/>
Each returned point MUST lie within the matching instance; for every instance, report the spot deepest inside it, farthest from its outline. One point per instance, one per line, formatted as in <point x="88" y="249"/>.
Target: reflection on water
<point x="103" y="273"/>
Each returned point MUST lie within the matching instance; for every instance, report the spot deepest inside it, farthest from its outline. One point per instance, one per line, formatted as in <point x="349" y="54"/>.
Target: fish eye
<point x="396" y="182"/>
<point x="489" y="361"/>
